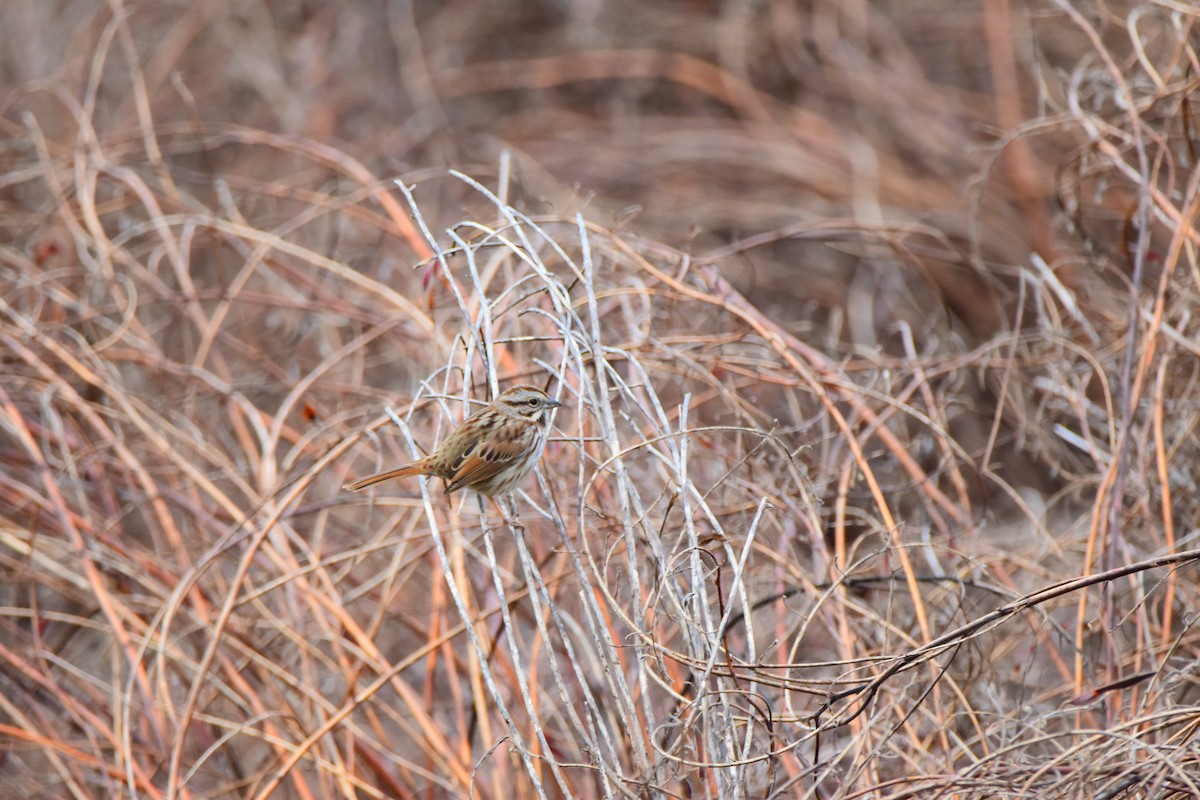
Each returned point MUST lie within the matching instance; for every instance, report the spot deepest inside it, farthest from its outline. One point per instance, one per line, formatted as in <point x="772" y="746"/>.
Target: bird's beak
<point x="552" y="403"/>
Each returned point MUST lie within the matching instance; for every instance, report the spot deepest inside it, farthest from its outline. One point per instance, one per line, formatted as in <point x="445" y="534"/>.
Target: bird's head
<point x="527" y="402"/>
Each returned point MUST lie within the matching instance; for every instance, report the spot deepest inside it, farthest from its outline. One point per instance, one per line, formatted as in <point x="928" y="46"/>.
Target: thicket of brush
<point x="876" y="329"/>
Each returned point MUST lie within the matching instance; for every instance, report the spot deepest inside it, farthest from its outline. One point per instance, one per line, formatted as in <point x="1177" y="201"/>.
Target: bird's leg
<point x="512" y="521"/>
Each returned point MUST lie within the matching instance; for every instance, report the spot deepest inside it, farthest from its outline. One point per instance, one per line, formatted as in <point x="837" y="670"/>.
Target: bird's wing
<point x="484" y="461"/>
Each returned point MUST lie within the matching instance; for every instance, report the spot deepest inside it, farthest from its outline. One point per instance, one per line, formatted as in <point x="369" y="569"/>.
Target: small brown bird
<point x="491" y="451"/>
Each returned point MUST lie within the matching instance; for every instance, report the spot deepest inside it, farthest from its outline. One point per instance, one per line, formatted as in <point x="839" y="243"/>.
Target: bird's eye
<point x="532" y="401"/>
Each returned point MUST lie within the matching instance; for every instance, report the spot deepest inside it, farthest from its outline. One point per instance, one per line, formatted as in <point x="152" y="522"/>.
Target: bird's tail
<point x="416" y="468"/>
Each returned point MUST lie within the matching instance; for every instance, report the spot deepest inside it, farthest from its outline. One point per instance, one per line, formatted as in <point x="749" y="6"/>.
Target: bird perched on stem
<point x="491" y="451"/>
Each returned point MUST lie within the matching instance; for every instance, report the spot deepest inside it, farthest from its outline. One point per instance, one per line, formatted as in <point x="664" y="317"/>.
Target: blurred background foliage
<point x="973" y="221"/>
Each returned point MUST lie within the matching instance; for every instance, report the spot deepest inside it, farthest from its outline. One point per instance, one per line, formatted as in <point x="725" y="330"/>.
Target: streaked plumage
<point x="491" y="451"/>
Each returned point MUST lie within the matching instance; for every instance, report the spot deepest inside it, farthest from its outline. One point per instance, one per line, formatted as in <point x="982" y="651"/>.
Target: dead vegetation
<point x="875" y="325"/>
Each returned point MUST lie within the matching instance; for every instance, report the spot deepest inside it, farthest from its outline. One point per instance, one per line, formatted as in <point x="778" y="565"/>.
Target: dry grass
<point x="876" y="473"/>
